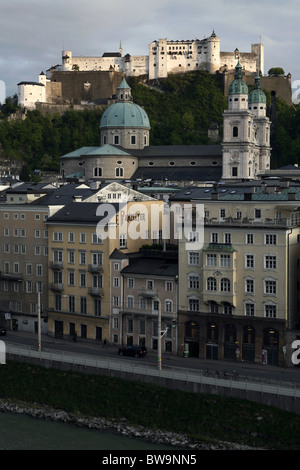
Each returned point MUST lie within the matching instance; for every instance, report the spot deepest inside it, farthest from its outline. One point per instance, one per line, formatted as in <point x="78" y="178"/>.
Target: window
<point x="116" y="282"/>
<point x="227" y="238"/>
<point x="97" y="238"/>
<point x="270" y="239"/>
<point x="119" y="172"/>
<point x="249" y="238"/>
<point x="71" y="237"/>
<point x="82" y="257"/>
<point x="211" y="284"/>
<point x="227" y="308"/>
<point x="257" y="213"/>
<point x="143" y="303"/>
<point x="71" y="257"/>
<point x="82" y="238"/>
<point x="133" y="140"/>
<point x="270" y="310"/>
<point x="194" y="305"/>
<point x="57" y="236"/>
<point x="71" y="278"/>
<point x="225" y="261"/>
<point x="222" y="213"/>
<point x="235" y="131"/>
<point x="97" y="307"/>
<point x="116" y="140"/>
<point x="149" y="284"/>
<point x="123" y="240"/>
<point x="234" y="171"/>
<point x="211" y="260"/>
<point x="249" y="262"/>
<point x="270" y="262"/>
<point x="249" y="286"/>
<point x="130" y="283"/>
<point x="169" y="286"/>
<point x="270" y="286"/>
<point x="83" y="305"/>
<point x="193" y="281"/>
<point x="130" y="301"/>
<point x="225" y="285"/>
<point x="249" y="309"/>
<point x="214" y="237"/>
<point x="96" y="259"/>
<point x="72" y="303"/>
<point x="194" y="257"/>
<point x="168" y="306"/>
<point x="82" y="279"/>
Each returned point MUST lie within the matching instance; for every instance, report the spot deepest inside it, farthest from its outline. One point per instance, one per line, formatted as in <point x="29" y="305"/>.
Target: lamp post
<point x="39" y="322"/>
<point x="159" y="336"/>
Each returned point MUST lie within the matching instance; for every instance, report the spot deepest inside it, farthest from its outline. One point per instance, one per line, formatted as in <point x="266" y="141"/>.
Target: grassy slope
<point x="201" y="417"/>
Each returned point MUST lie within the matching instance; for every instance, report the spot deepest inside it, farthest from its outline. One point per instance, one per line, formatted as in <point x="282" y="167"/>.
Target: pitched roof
<point x="152" y="266"/>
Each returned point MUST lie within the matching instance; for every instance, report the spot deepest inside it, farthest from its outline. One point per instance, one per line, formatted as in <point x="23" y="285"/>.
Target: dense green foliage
<point x="184" y="108"/>
<point x="181" y="109"/>
<point x="201" y="417"/>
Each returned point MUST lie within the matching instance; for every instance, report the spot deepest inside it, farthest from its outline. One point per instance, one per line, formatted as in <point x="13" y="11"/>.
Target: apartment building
<point x="144" y="286"/>
<point x="239" y="293"/>
<point x="79" y="262"/>
<point x="23" y="257"/>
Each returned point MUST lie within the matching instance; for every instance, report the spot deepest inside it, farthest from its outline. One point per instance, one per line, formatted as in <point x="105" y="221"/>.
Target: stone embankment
<point x="121" y="427"/>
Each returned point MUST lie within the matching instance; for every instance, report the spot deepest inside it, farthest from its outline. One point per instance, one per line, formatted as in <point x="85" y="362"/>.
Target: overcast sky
<point x="34" y="32"/>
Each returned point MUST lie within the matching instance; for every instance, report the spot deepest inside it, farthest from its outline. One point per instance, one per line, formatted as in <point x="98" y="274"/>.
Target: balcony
<point x="56" y="264"/>
<point x="11" y="276"/>
<point x="96" y="291"/>
<point x="57" y="286"/>
<point x="148" y="293"/>
<point x="95" y="268"/>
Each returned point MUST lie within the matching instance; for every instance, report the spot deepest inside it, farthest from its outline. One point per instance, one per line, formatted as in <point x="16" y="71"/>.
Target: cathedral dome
<point x="238" y="86"/>
<point x="124" y="113"/>
<point x="257" y="95"/>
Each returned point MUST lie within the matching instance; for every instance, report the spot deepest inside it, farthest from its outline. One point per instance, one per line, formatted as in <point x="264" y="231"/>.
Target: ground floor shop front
<point x="228" y="337"/>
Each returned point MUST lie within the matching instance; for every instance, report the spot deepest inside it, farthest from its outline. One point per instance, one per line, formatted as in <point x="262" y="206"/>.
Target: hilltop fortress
<point x="165" y="57"/>
<point x="81" y="80"/>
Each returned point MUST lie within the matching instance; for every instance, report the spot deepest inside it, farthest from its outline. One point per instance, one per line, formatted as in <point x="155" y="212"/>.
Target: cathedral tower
<point x="246" y="138"/>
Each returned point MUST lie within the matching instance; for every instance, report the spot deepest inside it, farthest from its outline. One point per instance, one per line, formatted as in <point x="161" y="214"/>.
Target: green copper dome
<point x="124" y="113"/>
<point x="257" y="95"/>
<point x="238" y="86"/>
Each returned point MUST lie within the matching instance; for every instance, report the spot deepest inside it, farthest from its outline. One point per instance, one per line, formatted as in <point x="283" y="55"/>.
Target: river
<point x="21" y="432"/>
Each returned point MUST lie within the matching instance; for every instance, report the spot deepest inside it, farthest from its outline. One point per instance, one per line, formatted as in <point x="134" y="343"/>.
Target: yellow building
<point x="79" y="264"/>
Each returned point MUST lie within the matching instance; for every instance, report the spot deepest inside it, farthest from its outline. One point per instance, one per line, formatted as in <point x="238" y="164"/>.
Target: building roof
<point x="197" y="173"/>
<point x="124" y="114"/>
<point x="257" y="95"/>
<point x="81" y="212"/>
<point x="238" y="86"/>
<point x="152" y="267"/>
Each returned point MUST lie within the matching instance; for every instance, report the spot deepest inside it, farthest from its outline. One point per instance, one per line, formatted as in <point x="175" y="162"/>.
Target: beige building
<point x="142" y="287"/>
<point x="238" y="294"/>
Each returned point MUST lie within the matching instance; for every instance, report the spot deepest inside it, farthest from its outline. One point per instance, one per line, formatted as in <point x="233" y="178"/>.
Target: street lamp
<point x="39" y="322"/>
<point x="159" y="336"/>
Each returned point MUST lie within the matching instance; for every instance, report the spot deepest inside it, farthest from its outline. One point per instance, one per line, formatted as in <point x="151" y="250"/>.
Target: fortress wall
<point x="89" y="86"/>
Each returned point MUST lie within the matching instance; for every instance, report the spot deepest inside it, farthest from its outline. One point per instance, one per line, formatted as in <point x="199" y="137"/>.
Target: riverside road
<point x="211" y="367"/>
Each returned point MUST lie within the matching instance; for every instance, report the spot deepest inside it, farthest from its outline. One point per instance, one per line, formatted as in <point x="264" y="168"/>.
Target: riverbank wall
<point x="271" y="395"/>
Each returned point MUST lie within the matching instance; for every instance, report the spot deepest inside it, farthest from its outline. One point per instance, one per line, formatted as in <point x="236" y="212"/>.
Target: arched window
<point x="235" y="131"/>
<point x="119" y="172"/>
<point x="211" y="284"/>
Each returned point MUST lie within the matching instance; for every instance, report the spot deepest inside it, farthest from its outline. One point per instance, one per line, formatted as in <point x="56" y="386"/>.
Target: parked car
<point x="2" y="331"/>
<point x="136" y="351"/>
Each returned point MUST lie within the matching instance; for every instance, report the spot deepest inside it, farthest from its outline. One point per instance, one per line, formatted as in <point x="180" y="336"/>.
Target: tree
<point x="276" y="71"/>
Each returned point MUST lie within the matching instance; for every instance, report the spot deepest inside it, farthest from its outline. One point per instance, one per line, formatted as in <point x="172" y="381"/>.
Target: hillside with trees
<point x="181" y="109"/>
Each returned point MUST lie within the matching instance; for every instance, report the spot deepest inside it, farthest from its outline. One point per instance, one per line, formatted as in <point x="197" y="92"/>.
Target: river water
<point x="21" y="432"/>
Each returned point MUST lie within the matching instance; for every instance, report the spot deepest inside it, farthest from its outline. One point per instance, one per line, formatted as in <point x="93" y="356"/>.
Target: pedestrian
<point x="104" y="342"/>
